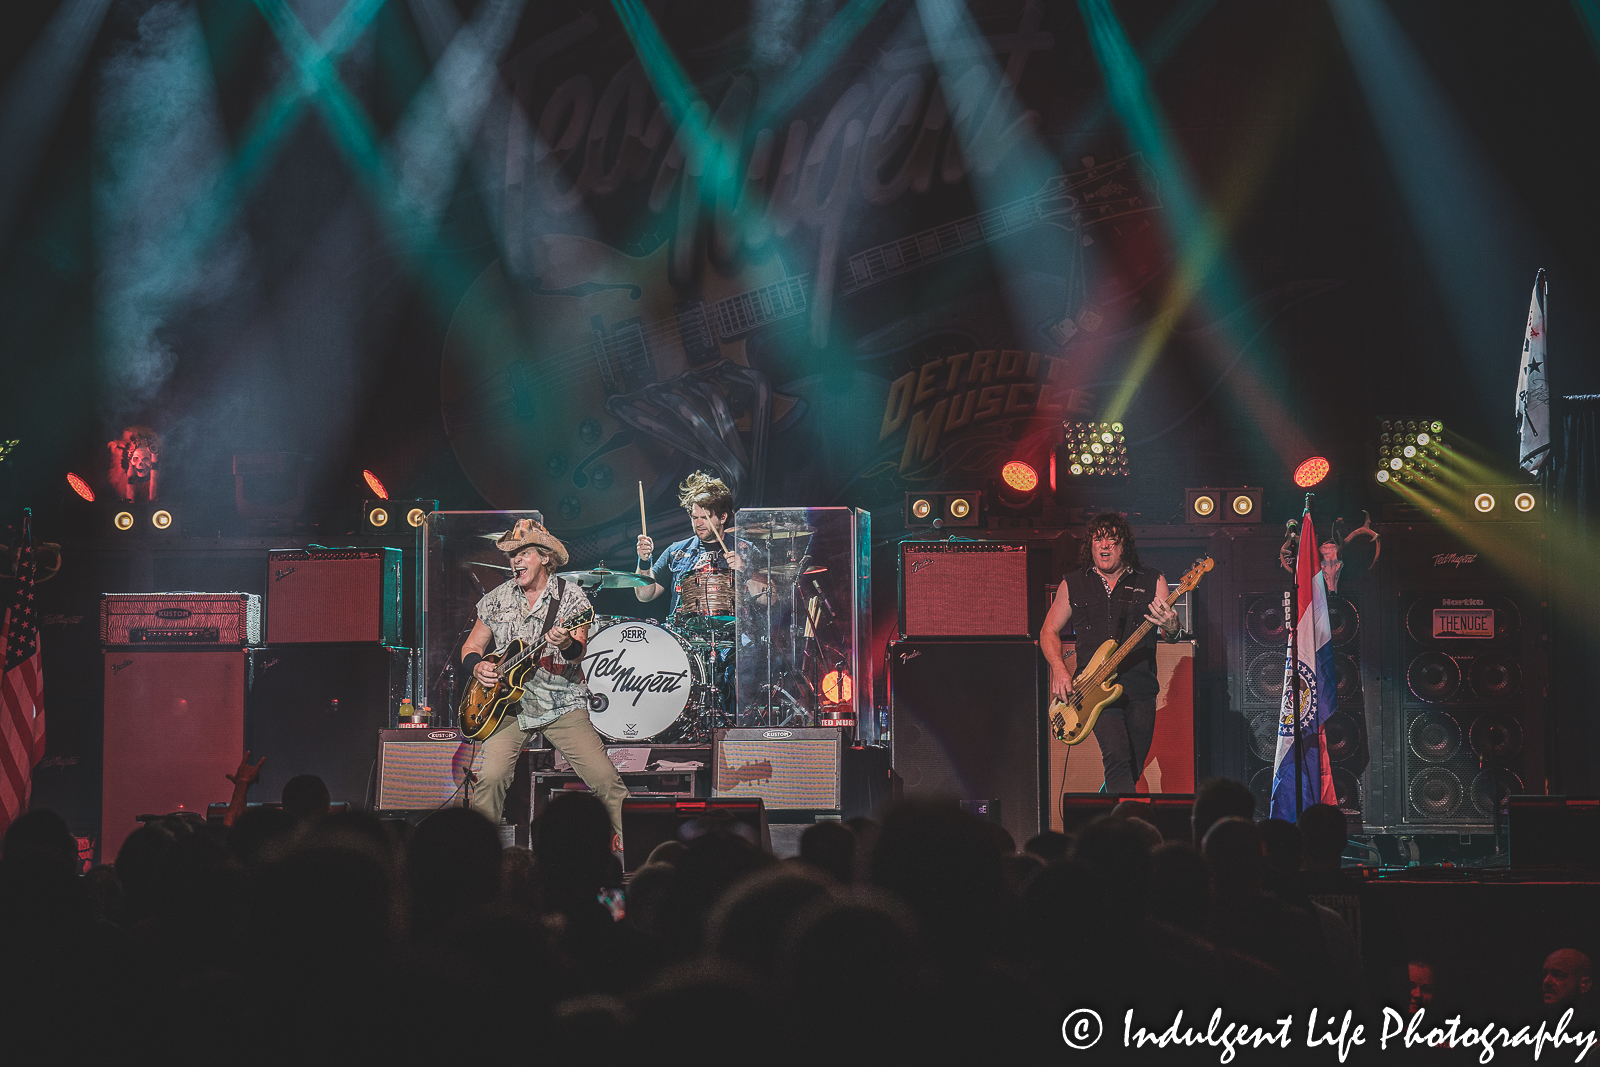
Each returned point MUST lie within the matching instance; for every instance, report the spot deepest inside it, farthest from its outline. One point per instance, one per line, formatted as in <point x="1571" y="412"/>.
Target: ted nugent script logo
<point x="611" y="673"/>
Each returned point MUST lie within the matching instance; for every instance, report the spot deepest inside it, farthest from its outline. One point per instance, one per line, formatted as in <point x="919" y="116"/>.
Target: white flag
<point x="1533" y="393"/>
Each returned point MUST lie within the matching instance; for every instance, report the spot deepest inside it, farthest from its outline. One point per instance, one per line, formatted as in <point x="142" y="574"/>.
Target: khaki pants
<point x="574" y="737"/>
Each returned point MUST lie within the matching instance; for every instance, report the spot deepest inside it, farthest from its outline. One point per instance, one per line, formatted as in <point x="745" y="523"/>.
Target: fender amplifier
<point x="970" y="588"/>
<point x="325" y="597"/>
<point x="179" y="619"/>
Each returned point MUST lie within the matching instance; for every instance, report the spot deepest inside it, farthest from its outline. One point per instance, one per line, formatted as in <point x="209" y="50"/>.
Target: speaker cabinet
<point x="966" y="721"/>
<point x="1466" y="669"/>
<point x="972" y="588"/>
<point x="1549" y="831"/>
<point x="648" y="821"/>
<point x="317" y="709"/>
<point x="317" y="597"/>
<point x="791" y="769"/>
<point x="1247" y="644"/>
<point x="174" y="728"/>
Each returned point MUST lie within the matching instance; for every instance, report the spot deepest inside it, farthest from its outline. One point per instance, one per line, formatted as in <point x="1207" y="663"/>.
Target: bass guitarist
<point x="555" y="699"/>
<point x="1101" y="597"/>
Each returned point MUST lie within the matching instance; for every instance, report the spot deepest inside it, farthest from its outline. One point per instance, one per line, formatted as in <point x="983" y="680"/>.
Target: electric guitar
<point x="482" y="707"/>
<point x="1094" y="686"/>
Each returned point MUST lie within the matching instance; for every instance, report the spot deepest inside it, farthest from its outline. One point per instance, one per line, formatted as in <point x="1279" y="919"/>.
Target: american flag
<point x="21" y="714"/>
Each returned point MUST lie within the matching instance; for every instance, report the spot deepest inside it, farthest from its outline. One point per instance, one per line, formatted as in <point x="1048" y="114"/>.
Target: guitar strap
<point x="555" y="606"/>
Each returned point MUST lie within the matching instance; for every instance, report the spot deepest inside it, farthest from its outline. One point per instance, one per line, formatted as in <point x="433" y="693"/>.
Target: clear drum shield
<point x="802" y="617"/>
<point x="459" y="564"/>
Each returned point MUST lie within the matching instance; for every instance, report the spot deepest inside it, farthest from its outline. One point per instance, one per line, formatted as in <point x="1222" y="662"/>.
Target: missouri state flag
<point x="1310" y="654"/>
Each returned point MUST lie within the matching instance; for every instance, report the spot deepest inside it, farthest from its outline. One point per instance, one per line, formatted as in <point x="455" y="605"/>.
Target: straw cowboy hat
<point x="527" y="532"/>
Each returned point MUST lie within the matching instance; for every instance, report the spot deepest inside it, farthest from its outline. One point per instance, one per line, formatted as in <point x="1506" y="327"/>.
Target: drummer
<point x="709" y="503"/>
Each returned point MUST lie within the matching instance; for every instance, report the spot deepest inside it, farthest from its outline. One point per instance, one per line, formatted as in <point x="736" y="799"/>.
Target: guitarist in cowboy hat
<point x="530" y="606"/>
<point x="1107" y="595"/>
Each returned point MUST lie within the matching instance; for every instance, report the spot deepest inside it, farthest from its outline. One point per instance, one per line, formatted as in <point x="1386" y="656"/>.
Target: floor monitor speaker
<point x="648" y="821"/>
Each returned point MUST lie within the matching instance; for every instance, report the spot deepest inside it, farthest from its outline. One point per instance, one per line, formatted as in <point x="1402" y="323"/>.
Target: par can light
<point x="161" y="520"/>
<point x="123" y="520"/>
<point x="1484" y="502"/>
<point x="1524" y="502"/>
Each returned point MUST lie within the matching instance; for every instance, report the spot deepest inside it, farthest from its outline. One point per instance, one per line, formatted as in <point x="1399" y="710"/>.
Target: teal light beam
<point x="443" y="273"/>
<point x="683" y="104"/>
<point x="35" y="95"/>
<point x="818" y="59"/>
<point x="1476" y="240"/>
<point x="1198" y="235"/>
<point x="264" y="134"/>
<point x="1588" y="12"/>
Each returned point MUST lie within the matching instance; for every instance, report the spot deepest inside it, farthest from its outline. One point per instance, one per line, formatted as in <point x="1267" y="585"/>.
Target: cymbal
<point x="603" y="578"/>
<point x="775" y="531"/>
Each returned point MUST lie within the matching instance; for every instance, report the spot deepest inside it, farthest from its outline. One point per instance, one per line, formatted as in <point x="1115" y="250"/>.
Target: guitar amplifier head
<point x="969" y="588"/>
<point x="326" y="597"/>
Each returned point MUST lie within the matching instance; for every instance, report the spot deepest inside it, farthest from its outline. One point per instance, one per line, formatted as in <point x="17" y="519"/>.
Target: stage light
<point x="1396" y="463"/>
<point x="1201" y="505"/>
<point x="161" y="520"/>
<point x="1020" y="476"/>
<point x="1093" y="448"/>
<point x="1242" y="504"/>
<point x="1486" y="500"/>
<point x="837" y="688"/>
<point x="376" y="486"/>
<point x="123" y="520"/>
<point x="1413" y="450"/>
<point x="921" y="508"/>
<point x="1383" y="475"/>
<point x="383" y="517"/>
<point x="1311" y="472"/>
<point x="80" y="487"/>
<point x="960" y="508"/>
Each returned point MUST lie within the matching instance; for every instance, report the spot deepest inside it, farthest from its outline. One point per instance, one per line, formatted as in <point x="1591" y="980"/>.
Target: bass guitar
<point x="1095" y="687"/>
<point x="482" y="707"/>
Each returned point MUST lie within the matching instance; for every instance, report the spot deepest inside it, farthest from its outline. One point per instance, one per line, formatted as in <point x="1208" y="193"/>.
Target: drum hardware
<point x="602" y="577"/>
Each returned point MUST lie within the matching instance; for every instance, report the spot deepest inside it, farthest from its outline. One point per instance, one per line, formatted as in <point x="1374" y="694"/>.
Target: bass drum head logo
<point x="631" y="634"/>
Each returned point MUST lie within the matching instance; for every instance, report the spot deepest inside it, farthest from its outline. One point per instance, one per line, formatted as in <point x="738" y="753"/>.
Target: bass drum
<point x="641" y="678"/>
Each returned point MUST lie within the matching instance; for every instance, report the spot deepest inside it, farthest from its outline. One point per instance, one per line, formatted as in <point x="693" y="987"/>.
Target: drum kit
<point x="664" y="683"/>
<point x="655" y="682"/>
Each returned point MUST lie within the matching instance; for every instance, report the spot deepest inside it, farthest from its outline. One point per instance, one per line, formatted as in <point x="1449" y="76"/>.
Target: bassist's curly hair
<point x="1109" y="524"/>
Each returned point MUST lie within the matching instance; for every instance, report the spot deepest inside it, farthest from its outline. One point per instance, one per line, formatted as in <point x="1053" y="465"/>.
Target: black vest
<point x="1098" y="617"/>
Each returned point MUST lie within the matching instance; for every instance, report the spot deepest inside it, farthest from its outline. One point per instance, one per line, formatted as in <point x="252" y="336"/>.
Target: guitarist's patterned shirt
<point x="556" y="685"/>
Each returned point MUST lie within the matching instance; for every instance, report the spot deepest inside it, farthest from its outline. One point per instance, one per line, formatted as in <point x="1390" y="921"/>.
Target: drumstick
<point x="642" y="531"/>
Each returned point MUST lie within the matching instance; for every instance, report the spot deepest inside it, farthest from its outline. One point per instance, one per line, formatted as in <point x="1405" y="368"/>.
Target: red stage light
<point x="1311" y="472"/>
<point x="1020" y="476"/>
<point x="376" y="486"/>
<point x="80" y="487"/>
